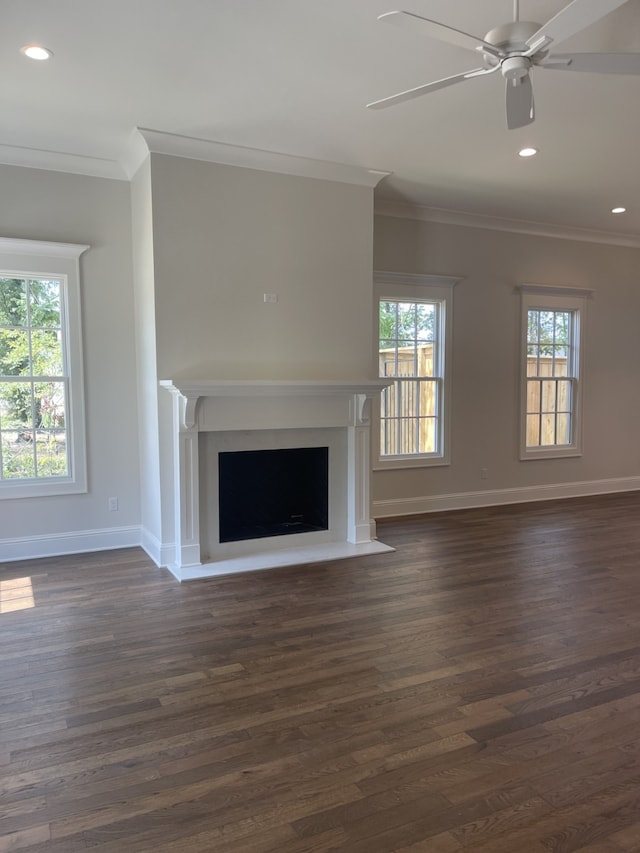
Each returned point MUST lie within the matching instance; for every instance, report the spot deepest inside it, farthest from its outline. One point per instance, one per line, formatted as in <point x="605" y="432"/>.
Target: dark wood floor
<point x="478" y="689"/>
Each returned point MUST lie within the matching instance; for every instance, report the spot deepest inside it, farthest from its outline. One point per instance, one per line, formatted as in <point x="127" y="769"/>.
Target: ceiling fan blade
<point x="520" y="108"/>
<point x="433" y="29"/>
<point x="409" y="94"/>
<point x="576" y="16"/>
<point x="600" y="63"/>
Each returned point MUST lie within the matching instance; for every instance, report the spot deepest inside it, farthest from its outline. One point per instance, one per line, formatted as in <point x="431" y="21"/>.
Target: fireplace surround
<point x="211" y="417"/>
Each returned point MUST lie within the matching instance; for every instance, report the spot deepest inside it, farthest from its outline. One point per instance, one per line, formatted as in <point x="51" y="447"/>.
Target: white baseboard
<point x="496" y="497"/>
<point x="162" y="555"/>
<point x="107" y="539"/>
<point x="58" y="544"/>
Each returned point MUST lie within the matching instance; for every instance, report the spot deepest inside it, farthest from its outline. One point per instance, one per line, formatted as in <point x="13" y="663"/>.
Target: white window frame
<point x="59" y="261"/>
<point x="416" y="287"/>
<point x="539" y="297"/>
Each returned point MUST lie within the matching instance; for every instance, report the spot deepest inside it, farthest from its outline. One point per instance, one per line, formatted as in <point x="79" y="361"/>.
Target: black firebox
<point x="273" y="492"/>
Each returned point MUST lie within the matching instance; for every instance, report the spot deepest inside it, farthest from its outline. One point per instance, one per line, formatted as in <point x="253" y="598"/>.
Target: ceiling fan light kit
<point x="514" y="49"/>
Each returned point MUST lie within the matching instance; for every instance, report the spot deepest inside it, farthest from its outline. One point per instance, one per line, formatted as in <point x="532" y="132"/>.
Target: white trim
<point x="290" y="557"/>
<point x="61" y="544"/>
<point x="412" y="279"/>
<point x="62" y="161"/>
<point x="498" y="497"/>
<point x="161" y="554"/>
<point x="268" y="414"/>
<point x="422" y="213"/>
<point x="41" y="248"/>
<point x="556" y="290"/>
<point x="210" y="151"/>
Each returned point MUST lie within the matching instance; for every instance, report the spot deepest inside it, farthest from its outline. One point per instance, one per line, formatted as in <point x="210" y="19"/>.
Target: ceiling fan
<point x="514" y="49"/>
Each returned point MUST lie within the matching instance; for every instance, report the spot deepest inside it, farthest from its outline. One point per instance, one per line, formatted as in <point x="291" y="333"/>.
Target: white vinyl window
<point x="551" y="387"/>
<point x="413" y="333"/>
<point x="42" y="439"/>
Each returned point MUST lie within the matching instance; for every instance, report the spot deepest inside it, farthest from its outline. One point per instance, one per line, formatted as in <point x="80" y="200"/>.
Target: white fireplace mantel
<point x="260" y="407"/>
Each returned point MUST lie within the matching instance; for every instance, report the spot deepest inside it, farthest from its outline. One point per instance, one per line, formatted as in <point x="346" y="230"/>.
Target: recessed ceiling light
<point x="618" y="210"/>
<point x="528" y="152"/>
<point x="36" y="51"/>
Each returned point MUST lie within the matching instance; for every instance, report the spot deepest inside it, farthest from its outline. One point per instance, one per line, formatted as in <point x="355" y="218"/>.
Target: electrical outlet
<point x="113" y="504"/>
<point x="271" y="297"/>
<point x="484" y="473"/>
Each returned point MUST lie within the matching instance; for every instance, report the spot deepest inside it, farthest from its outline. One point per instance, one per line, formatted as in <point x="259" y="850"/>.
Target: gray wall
<point x="485" y="367"/>
<point x="223" y="237"/>
<point x="58" y="207"/>
<point x="209" y="241"/>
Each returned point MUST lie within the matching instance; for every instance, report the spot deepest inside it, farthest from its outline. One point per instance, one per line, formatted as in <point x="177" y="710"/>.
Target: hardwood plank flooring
<point x="476" y="690"/>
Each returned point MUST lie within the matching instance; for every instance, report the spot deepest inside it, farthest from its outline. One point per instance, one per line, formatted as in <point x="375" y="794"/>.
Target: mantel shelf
<point x="273" y="387"/>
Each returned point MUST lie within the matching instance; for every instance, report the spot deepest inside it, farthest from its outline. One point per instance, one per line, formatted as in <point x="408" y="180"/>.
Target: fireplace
<point x="264" y="493"/>
<point x="219" y="425"/>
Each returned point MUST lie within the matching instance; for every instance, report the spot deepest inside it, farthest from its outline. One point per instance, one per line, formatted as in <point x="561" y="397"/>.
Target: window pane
<point x="388" y="322"/>
<point x="560" y="362"/>
<point x="532" y="326"/>
<point x="46" y="353"/>
<point x="15" y="406"/>
<point x="51" y="453"/>
<point x="548" y="429"/>
<point x="532" y="360"/>
<point x="548" y="396"/>
<point x="17" y="457"/>
<point x="14" y="353"/>
<point x="563" y="434"/>
<point x="407" y="321"/>
<point x="546" y="326"/>
<point x="49" y="399"/>
<point x="425" y="321"/>
<point x="13" y="302"/>
<point x="533" y="430"/>
<point x="564" y="396"/>
<point x="427" y="435"/>
<point x="562" y="326"/>
<point x="44" y="303"/>
<point x="533" y="396"/>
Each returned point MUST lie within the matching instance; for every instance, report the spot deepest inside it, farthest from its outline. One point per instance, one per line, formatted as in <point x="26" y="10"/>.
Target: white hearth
<point x="213" y="416"/>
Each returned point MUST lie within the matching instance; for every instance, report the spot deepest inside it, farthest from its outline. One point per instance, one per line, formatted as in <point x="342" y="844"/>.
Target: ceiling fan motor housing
<point x="515" y="67"/>
<point x="511" y="41"/>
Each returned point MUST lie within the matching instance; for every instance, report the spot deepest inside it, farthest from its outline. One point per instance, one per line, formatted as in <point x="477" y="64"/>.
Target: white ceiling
<point x="293" y="76"/>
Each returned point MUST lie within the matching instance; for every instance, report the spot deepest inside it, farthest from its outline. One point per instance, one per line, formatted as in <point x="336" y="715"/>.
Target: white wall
<point x="147" y="374"/>
<point x="485" y="366"/>
<point x="54" y="206"/>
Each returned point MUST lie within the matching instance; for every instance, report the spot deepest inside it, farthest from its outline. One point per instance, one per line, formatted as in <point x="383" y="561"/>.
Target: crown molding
<point x="416" y="279"/>
<point x="60" y="161"/>
<point x="41" y="248"/>
<point x="145" y="141"/>
<point x="556" y="290"/>
<point x="422" y="213"/>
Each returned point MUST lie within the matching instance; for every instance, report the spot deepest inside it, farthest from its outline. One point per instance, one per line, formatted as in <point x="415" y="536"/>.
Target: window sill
<point x="557" y="453"/>
<point x="48" y="488"/>
<point x="400" y="462"/>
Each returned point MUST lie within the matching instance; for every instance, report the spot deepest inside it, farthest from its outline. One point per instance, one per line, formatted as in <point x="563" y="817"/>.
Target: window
<point x="42" y="447"/>
<point x="414" y="321"/>
<point x="552" y="332"/>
